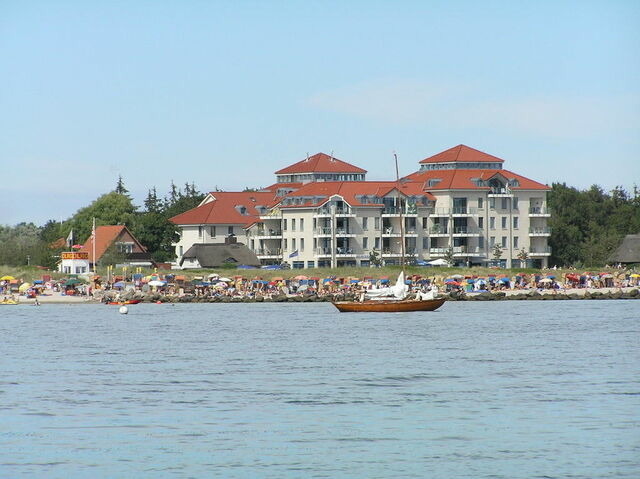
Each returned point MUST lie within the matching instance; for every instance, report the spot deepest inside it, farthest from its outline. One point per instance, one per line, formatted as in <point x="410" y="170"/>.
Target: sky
<point x="224" y="93"/>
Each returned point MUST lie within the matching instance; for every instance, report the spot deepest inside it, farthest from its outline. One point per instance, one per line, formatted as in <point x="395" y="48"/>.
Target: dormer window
<point x="433" y="182"/>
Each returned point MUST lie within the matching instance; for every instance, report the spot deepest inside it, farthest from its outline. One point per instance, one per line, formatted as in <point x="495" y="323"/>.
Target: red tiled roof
<point x="462" y="179"/>
<point x="462" y="154"/>
<point x="320" y="163"/>
<point x="352" y="191"/>
<point x="106" y="235"/>
<point x="222" y="210"/>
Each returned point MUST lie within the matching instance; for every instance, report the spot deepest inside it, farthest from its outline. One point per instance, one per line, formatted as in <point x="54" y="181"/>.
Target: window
<point x="504" y="242"/>
<point x="365" y="242"/>
<point x="230" y="231"/>
<point x="293" y="224"/>
<point x="298" y="264"/>
<point x="376" y="243"/>
<point x="515" y="203"/>
<point x="480" y="203"/>
<point x="481" y="242"/>
<point x="492" y="241"/>
<point x="301" y="244"/>
<point x="376" y="223"/>
<point x="425" y="243"/>
<point x="311" y="264"/>
<point x="200" y="229"/>
<point x="515" y="222"/>
<point x="181" y="251"/>
<point x="365" y="223"/>
<point x="504" y="203"/>
<point x="492" y="203"/>
<point x="492" y="223"/>
<point x="504" y="222"/>
<point x="285" y="244"/>
<point x="481" y="222"/>
<point x="212" y="231"/>
<point x="284" y="225"/>
<point x="315" y="224"/>
<point x="515" y="241"/>
<point x="293" y="244"/>
<point x="425" y="223"/>
<point x="301" y="224"/>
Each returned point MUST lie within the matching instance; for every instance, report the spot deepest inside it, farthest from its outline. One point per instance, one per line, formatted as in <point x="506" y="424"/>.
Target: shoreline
<point x="505" y="295"/>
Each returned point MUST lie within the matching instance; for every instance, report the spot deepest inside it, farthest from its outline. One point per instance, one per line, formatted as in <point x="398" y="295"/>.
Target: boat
<point x="8" y="301"/>
<point x="391" y="306"/>
<point x="122" y="303"/>
<point x="393" y="299"/>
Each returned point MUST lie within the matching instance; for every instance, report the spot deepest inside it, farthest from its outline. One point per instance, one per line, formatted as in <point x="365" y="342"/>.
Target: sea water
<point x="532" y="389"/>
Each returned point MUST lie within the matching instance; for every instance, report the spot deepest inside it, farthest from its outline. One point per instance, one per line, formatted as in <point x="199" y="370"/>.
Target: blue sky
<point x="225" y="93"/>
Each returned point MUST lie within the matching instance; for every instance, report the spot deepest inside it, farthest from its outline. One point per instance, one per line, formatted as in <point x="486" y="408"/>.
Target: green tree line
<point x="27" y="243"/>
<point x="587" y="226"/>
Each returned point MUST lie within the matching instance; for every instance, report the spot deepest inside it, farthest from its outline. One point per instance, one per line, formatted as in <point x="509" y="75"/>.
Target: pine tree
<point x="120" y="189"/>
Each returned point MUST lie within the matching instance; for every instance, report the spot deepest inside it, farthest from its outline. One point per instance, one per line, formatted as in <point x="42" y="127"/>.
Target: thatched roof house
<point x="628" y="252"/>
<point x="215" y="255"/>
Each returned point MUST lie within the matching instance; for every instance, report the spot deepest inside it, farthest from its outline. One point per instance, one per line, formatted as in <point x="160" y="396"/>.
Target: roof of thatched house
<point x="214" y="255"/>
<point x="628" y="251"/>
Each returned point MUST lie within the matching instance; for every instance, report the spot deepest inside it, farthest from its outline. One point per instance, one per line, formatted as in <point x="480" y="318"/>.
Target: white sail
<point x="397" y="291"/>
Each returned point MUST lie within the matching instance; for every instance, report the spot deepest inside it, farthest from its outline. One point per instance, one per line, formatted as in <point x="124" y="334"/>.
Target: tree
<point x="120" y="189"/>
<point x="109" y="209"/>
<point x="496" y="251"/>
<point x="449" y="257"/>
<point x="374" y="258"/>
<point x="523" y="256"/>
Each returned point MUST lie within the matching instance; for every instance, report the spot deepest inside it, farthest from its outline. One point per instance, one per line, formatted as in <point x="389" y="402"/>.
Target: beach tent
<point x="439" y="262"/>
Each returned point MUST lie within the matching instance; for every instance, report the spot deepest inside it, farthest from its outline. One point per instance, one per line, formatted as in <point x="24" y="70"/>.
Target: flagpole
<point x="93" y="234"/>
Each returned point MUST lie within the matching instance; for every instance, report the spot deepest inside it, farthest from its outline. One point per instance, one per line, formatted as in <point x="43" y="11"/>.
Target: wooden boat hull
<point x="120" y="303"/>
<point x="388" y="306"/>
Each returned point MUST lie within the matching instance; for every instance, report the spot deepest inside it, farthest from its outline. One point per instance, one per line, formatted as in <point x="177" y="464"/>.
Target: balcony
<point x="500" y="192"/>
<point x="457" y="211"/>
<point x="323" y="252"/>
<point x="323" y="231"/>
<point x="391" y="232"/>
<point x="464" y="231"/>
<point x="438" y="231"/>
<point x="393" y="253"/>
<point x="268" y="234"/>
<point x="539" y="231"/>
<point x="539" y="212"/>
<point x="392" y="211"/>
<point x="267" y="253"/>
<point x="339" y="212"/>
<point x="457" y="251"/>
<point x="342" y="233"/>
<point x="542" y="251"/>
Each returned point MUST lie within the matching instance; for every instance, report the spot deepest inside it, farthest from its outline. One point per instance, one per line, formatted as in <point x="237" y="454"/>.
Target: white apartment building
<point x="322" y="212"/>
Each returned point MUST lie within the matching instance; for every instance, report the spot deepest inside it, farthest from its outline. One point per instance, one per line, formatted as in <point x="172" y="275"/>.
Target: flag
<point x="69" y="239"/>
<point x="294" y="254"/>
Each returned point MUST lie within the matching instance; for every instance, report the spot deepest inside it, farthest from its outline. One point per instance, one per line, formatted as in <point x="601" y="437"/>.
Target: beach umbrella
<point x="635" y="275"/>
<point x="119" y="284"/>
<point x="457" y="276"/>
<point x="72" y="282"/>
<point x="545" y="280"/>
<point x="277" y="278"/>
<point x="24" y="286"/>
<point x="301" y="276"/>
<point x="7" y="278"/>
<point x="38" y="281"/>
<point x="225" y="280"/>
<point x="156" y="282"/>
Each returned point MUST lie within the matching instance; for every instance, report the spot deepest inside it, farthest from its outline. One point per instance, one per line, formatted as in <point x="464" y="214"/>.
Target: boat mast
<point x="401" y="213"/>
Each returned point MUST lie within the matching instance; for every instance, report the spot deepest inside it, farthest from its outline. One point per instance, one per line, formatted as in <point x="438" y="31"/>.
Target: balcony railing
<point x="540" y="251"/>
<point x="500" y="191"/>
<point x="324" y="230"/>
<point x="539" y="231"/>
<point x="323" y="251"/>
<point x="396" y="210"/>
<point x="438" y="230"/>
<point x="261" y="233"/>
<point x="463" y="230"/>
<point x="268" y="252"/>
<point x="540" y="210"/>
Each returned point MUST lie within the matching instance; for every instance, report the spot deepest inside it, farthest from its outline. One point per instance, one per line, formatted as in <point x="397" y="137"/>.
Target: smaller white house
<point x="74" y="262"/>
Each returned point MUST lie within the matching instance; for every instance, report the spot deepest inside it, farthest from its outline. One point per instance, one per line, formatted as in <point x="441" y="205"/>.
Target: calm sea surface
<point x="501" y="390"/>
